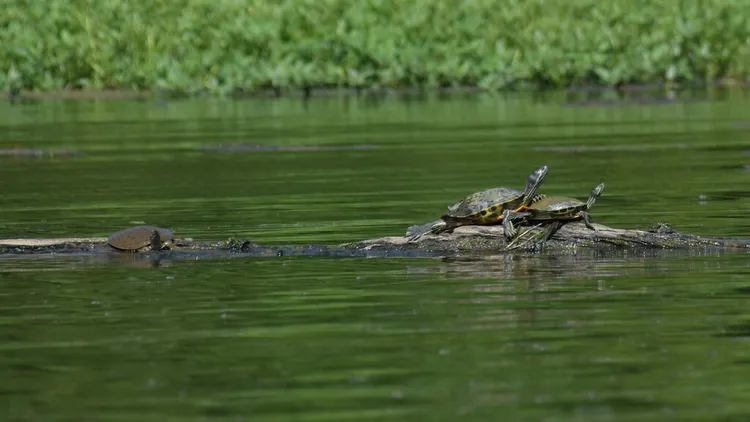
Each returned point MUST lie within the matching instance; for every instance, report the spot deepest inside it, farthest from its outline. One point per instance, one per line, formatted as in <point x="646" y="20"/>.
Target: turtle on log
<point x="140" y="238"/>
<point x="483" y="208"/>
<point x="558" y="209"/>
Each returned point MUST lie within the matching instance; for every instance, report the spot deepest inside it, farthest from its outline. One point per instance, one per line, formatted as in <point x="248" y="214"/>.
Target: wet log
<point x="466" y="239"/>
<point x="570" y="235"/>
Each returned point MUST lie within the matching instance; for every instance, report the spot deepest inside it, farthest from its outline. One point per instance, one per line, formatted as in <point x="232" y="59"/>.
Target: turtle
<point x="139" y="238"/>
<point x="552" y="208"/>
<point x="483" y="208"/>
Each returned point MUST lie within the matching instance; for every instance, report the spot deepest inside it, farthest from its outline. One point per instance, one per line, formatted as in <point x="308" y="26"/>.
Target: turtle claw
<point x="414" y="233"/>
<point x="510" y="233"/>
<point x="662" y="228"/>
<point x="414" y="238"/>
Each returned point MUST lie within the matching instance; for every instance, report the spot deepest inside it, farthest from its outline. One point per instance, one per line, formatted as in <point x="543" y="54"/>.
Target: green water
<point x="541" y="337"/>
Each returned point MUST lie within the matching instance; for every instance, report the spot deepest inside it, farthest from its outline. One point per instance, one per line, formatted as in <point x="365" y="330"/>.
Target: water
<point x="582" y="336"/>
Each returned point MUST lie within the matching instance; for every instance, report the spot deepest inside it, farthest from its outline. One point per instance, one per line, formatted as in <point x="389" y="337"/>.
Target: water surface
<point x="579" y="336"/>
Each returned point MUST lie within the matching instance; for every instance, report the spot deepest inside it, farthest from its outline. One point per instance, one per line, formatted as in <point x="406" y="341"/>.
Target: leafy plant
<point x="227" y="45"/>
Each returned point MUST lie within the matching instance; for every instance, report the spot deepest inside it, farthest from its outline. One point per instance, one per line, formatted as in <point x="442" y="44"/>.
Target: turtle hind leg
<point x="414" y="233"/>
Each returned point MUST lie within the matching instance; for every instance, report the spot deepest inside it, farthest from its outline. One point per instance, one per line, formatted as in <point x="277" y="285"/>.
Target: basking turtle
<point x="139" y="238"/>
<point x="483" y="208"/>
<point x="552" y="208"/>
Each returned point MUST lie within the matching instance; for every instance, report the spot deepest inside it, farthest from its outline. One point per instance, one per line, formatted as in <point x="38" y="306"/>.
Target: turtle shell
<point x="476" y="202"/>
<point x="556" y="206"/>
<point x="138" y="237"/>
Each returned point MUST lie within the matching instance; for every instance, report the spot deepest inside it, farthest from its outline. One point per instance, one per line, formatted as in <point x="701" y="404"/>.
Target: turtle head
<point x="595" y="193"/>
<point x="161" y="239"/>
<point x="534" y="181"/>
<point x="155" y="240"/>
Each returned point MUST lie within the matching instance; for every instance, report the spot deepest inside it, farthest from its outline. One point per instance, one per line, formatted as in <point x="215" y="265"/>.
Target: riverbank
<point x="227" y="47"/>
<point x="648" y="93"/>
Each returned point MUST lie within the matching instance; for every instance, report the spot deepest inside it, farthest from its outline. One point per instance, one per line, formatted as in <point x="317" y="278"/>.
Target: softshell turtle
<point x="483" y="208"/>
<point x="552" y="208"/>
<point x="139" y="238"/>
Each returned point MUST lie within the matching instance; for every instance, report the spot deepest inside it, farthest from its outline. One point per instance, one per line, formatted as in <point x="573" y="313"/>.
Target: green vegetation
<point x="226" y="45"/>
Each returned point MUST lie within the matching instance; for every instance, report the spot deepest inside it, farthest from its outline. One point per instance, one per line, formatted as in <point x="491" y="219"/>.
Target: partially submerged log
<point x="41" y="243"/>
<point x="463" y="239"/>
<point x="570" y="235"/>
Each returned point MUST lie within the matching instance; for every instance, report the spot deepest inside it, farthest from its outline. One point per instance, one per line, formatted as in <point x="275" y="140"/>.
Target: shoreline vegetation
<point x="134" y="49"/>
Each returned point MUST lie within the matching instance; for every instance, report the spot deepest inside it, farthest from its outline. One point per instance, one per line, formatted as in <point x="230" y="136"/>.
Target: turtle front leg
<point x="587" y="220"/>
<point x="551" y="230"/>
<point x="509" y="231"/>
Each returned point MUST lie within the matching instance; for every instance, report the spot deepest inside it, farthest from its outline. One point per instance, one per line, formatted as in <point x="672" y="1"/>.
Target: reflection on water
<point x="376" y="338"/>
<point x="581" y="264"/>
<point x="572" y="336"/>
